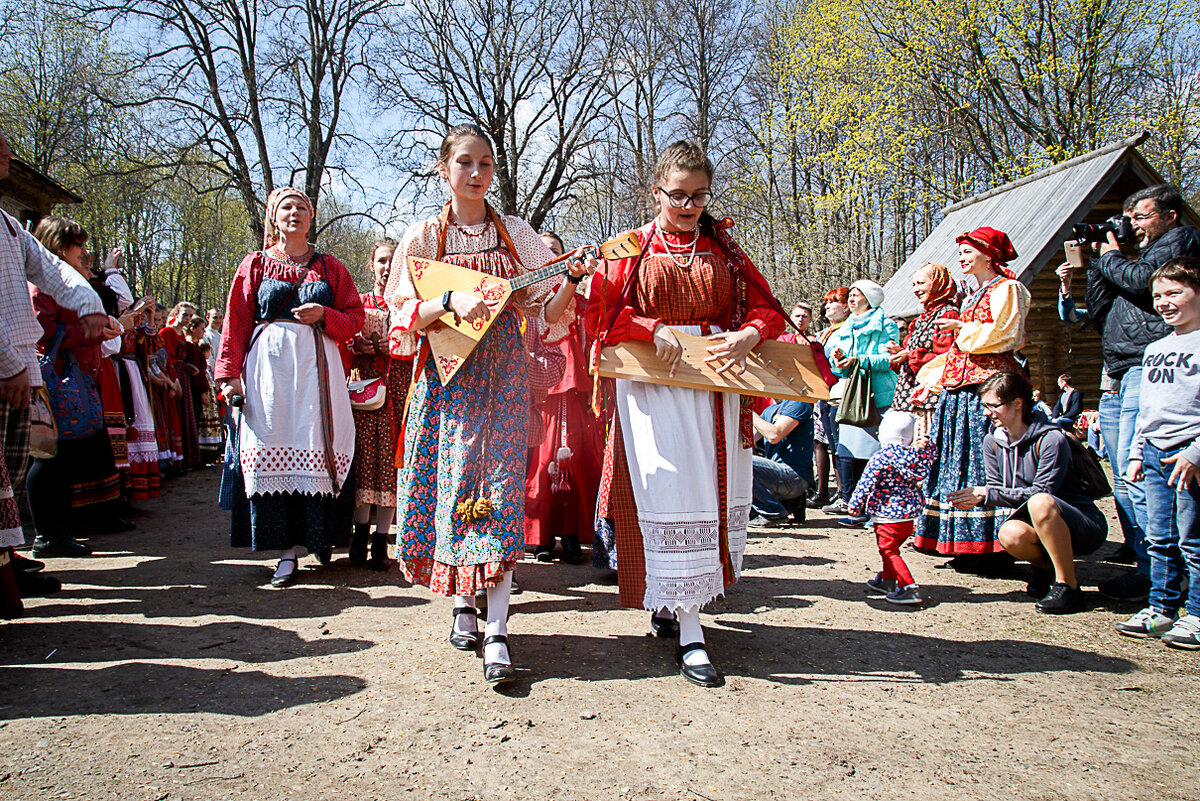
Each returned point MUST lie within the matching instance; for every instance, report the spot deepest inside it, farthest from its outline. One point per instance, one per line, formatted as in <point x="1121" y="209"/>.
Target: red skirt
<point x="114" y="412"/>
<point x="561" y="508"/>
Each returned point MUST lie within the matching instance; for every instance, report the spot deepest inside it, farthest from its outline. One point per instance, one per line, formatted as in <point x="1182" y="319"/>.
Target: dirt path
<point x="166" y="669"/>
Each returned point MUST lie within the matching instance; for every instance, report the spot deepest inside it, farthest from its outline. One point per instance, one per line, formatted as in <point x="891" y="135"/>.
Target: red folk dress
<point x="677" y="468"/>
<point x="564" y="504"/>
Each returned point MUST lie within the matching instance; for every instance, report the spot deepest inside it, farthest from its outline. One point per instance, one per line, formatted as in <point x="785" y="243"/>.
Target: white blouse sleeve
<point x="534" y="255"/>
<point x="1009" y="305"/>
<point x="400" y="294"/>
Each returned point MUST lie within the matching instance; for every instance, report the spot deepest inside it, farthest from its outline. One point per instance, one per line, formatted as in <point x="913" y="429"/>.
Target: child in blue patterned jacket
<point x="890" y="492"/>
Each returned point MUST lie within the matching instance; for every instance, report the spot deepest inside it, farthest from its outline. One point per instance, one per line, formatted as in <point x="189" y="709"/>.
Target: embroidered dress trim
<point x="281" y="450"/>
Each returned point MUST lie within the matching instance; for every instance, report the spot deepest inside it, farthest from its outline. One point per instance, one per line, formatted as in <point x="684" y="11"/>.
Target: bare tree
<point x="527" y="71"/>
<point x="258" y="85"/>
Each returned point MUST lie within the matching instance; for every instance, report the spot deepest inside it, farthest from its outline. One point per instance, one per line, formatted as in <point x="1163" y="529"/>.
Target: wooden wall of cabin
<point x="1055" y="347"/>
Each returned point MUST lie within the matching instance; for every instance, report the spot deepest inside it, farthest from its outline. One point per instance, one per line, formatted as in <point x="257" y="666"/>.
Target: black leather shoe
<point x="290" y="578"/>
<point x="498" y="672"/>
<point x="572" y="551"/>
<point x="25" y="564"/>
<point x="64" y="547"/>
<point x="32" y="585"/>
<point x="664" y="627"/>
<point x="464" y="641"/>
<point x="544" y="553"/>
<point x="324" y="555"/>
<point x="1061" y="600"/>
<point x="700" y="675"/>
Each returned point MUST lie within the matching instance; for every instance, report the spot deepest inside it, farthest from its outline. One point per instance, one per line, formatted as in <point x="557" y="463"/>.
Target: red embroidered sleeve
<point x="760" y="312"/>
<point x="605" y="293"/>
<point x="239" y="318"/>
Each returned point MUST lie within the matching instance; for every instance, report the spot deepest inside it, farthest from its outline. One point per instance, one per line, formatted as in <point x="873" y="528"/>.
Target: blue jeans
<point x="1173" y="535"/>
<point x="1118" y="419"/>
<point x="775" y="482"/>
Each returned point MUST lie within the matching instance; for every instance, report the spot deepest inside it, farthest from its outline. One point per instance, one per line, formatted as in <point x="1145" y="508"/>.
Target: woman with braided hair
<point x="461" y="491"/>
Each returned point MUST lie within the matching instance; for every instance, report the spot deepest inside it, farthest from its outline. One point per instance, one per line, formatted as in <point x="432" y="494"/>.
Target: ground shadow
<point x="32" y="642"/>
<point x="139" y="688"/>
<point x="230" y="589"/>
<point x="799" y="655"/>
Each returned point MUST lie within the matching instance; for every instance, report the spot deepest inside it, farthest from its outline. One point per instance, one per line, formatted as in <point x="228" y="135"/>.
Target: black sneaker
<point x="1130" y="586"/>
<point x="65" y="547"/>
<point x="818" y="500"/>
<point x="1122" y="555"/>
<point x="1061" y="600"/>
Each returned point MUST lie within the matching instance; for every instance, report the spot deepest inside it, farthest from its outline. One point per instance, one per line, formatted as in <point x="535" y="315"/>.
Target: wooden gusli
<point x="451" y="341"/>
<point x="779" y="370"/>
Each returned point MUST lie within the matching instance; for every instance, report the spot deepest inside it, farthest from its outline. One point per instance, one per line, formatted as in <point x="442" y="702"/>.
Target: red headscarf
<point x="993" y="244"/>
<point x="942" y="289"/>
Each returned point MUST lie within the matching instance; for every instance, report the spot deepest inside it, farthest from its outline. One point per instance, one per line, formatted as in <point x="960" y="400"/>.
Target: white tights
<point x="286" y="568"/>
<point x="690" y="632"/>
<point x="497" y="618"/>
<point x="383" y="516"/>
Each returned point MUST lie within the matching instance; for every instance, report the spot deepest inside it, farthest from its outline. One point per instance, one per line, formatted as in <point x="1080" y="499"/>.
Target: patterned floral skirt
<point x="466" y="441"/>
<point x="958" y="428"/>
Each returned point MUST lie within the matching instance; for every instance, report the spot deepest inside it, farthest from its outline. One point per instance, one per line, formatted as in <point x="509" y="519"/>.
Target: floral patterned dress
<point x="466" y="441"/>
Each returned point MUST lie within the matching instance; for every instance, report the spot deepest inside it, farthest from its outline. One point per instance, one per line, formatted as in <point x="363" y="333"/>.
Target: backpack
<point x="1089" y="476"/>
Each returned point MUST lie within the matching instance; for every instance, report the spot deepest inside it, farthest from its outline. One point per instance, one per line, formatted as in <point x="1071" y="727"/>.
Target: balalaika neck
<point x="556" y="267"/>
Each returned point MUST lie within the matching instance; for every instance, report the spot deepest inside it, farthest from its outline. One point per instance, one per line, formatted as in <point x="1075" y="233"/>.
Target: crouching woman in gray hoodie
<point x="1027" y="462"/>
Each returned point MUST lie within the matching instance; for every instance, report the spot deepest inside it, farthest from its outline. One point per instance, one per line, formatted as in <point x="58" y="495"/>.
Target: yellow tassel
<point x="474" y="509"/>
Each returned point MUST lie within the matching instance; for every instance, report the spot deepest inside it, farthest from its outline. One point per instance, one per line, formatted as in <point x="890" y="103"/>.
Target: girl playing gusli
<point x="461" y="490"/>
<point x="677" y="475"/>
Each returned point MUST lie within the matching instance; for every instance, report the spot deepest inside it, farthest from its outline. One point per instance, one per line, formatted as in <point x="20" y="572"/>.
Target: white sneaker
<point x="1147" y="623"/>
<point x="1184" y="634"/>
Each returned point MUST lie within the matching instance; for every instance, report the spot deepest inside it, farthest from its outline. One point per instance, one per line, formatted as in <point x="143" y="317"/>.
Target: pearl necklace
<point x="686" y="263"/>
<point x="279" y="254"/>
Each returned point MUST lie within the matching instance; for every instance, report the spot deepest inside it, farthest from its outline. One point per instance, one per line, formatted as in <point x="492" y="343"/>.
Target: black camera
<point x="1118" y="224"/>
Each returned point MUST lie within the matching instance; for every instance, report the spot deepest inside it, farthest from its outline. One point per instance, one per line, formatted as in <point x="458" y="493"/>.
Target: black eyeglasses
<point x="991" y="407"/>
<point x="679" y="200"/>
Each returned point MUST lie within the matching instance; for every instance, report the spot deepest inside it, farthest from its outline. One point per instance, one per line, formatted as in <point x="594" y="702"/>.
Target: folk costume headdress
<point x="942" y="289"/>
<point x="993" y="244"/>
<point x="271" y="235"/>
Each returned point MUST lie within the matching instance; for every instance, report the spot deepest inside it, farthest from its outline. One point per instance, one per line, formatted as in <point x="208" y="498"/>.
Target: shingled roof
<point x="1036" y="212"/>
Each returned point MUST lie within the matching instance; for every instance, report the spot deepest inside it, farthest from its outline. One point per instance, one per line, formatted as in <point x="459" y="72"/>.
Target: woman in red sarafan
<point x="564" y="467"/>
<point x="376" y="429"/>
<point x="677" y="474"/>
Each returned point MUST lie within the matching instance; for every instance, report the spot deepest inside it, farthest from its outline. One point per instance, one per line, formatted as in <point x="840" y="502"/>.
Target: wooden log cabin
<point x="1037" y="212"/>
<point x="29" y="195"/>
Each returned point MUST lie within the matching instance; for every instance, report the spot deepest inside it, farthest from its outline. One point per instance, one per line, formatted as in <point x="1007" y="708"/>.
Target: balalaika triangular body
<point x="451" y="341"/>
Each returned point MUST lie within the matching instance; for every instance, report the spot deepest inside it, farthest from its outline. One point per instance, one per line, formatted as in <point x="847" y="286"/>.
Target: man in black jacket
<point x="1120" y="306"/>
<point x="1069" y="405"/>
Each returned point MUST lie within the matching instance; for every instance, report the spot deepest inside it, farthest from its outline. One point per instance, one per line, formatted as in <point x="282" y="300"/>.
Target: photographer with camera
<point x="1120" y="307"/>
